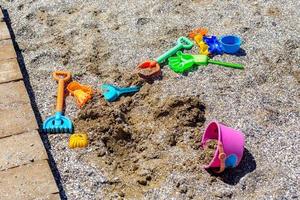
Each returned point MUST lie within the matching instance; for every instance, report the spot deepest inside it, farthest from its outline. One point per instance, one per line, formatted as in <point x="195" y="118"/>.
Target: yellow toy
<point x="197" y="35"/>
<point x="202" y="46"/>
<point x="78" y="140"/>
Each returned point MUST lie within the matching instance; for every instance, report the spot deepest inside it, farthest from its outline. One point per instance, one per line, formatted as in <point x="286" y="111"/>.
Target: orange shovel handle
<point x="222" y="157"/>
<point x="61" y="77"/>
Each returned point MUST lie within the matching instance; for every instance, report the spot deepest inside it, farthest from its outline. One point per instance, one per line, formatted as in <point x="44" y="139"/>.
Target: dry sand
<point x="96" y="39"/>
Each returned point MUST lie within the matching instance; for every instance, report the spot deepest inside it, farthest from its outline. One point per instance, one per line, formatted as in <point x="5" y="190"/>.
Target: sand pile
<point x="134" y="137"/>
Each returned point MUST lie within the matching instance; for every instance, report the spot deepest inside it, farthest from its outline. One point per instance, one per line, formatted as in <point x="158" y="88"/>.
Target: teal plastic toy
<point x="184" y="62"/>
<point x="59" y="123"/>
<point x="182" y="43"/>
<point x="112" y="93"/>
<point x="151" y="68"/>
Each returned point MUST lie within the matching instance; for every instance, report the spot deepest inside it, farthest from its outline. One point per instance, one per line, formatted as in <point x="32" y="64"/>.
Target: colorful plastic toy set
<point x="150" y="69"/>
<point x="230" y="145"/>
<point x="181" y="63"/>
<point x="229" y="44"/>
<point x="82" y="94"/>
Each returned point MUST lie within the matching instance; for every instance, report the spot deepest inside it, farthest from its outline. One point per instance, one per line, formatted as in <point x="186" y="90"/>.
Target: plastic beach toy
<point x="111" y="92"/>
<point x="230" y="146"/>
<point x="82" y="93"/>
<point x="203" y="48"/>
<point x="78" y="140"/>
<point x="198" y="31"/>
<point x="230" y="43"/>
<point x="59" y="123"/>
<point x="184" y="62"/>
<point x="214" y="44"/>
<point x="151" y="68"/>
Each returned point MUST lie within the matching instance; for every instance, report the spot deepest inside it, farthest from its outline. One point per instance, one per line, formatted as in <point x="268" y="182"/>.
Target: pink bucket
<point x="230" y="147"/>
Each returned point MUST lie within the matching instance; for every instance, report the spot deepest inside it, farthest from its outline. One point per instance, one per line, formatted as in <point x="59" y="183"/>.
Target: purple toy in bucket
<point x="230" y="146"/>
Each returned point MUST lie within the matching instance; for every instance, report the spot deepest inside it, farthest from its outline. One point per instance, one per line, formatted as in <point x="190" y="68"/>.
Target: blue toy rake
<point x="59" y="123"/>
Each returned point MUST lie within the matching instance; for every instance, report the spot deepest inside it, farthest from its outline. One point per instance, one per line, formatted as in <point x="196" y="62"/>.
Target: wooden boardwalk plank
<point x="21" y="149"/>
<point x="16" y="114"/>
<point x="32" y="181"/>
<point x="1" y="15"/>
<point x="10" y="71"/>
<point x="7" y="50"/>
<point x="13" y="92"/>
<point x="4" y="33"/>
<point x="16" y="119"/>
<point x="52" y="197"/>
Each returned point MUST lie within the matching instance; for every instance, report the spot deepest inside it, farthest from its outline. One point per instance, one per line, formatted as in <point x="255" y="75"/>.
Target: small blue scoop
<point x="112" y="93"/>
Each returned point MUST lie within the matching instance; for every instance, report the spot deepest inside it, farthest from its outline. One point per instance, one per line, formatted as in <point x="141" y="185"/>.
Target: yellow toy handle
<point x="61" y="77"/>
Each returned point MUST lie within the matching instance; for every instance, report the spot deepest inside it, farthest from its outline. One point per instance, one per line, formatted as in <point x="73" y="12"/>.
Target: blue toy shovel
<point x="111" y="92"/>
<point x="59" y="123"/>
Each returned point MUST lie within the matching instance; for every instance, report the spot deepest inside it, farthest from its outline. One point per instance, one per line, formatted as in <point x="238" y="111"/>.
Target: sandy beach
<point x="146" y="146"/>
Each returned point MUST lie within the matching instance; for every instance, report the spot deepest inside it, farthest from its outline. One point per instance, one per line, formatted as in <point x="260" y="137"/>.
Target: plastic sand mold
<point x="82" y="93"/>
<point x="203" y="48"/>
<point x="59" y="123"/>
<point x="112" y="93"/>
<point x="230" y="146"/>
<point x="214" y="45"/>
<point x="198" y="31"/>
<point x="151" y="68"/>
<point x="78" y="140"/>
<point x="185" y="62"/>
